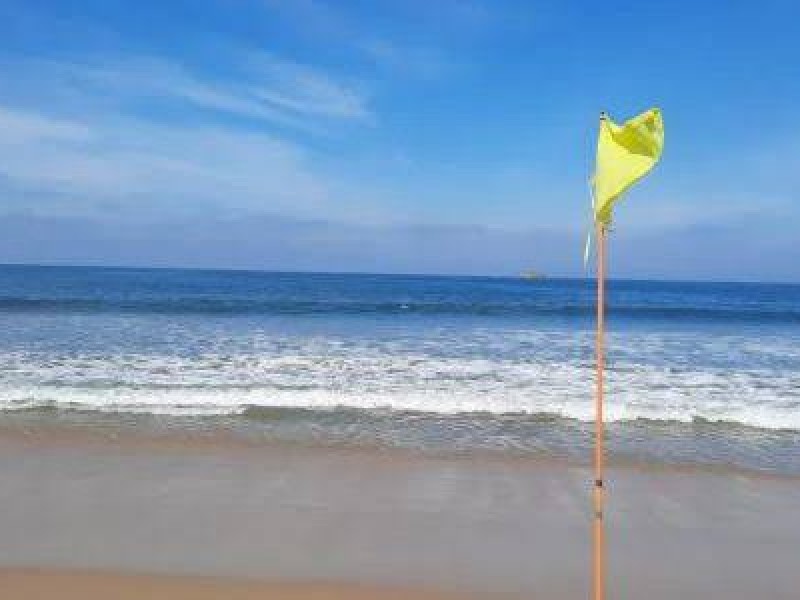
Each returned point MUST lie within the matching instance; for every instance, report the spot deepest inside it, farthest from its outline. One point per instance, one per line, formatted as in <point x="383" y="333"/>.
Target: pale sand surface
<point x="39" y="584"/>
<point x="483" y="524"/>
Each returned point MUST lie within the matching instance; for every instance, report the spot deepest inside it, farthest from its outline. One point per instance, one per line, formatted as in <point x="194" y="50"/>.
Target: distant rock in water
<point x="531" y="275"/>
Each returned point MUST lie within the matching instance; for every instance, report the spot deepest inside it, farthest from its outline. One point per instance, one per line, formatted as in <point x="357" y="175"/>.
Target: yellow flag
<point x="625" y="154"/>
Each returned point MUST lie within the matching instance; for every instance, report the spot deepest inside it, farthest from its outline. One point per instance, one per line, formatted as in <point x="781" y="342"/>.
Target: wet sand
<point x="212" y="516"/>
<point x="39" y="584"/>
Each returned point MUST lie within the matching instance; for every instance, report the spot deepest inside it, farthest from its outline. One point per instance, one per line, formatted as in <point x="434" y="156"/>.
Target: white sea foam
<point x="327" y="374"/>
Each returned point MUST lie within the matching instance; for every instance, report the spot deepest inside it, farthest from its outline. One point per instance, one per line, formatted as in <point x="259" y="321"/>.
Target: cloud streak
<point x="306" y="91"/>
<point x="143" y="168"/>
<point x="101" y="135"/>
<point x="260" y="87"/>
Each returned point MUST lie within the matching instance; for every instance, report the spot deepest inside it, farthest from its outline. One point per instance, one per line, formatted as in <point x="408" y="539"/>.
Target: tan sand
<point x="41" y="584"/>
<point x="391" y="522"/>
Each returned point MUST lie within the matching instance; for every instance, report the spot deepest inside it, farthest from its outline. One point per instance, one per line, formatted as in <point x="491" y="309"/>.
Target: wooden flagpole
<point x="598" y="562"/>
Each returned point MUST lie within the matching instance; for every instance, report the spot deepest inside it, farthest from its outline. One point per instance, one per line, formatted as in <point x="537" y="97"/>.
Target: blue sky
<point x="409" y="136"/>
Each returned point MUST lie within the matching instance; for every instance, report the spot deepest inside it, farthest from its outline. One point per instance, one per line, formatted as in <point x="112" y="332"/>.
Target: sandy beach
<point x="38" y="584"/>
<point x="90" y="511"/>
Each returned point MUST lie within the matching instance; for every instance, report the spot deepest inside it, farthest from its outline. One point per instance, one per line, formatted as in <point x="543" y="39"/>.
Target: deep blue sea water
<point x="698" y="372"/>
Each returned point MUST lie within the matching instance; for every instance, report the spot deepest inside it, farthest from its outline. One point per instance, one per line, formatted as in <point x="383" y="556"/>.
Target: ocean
<point x="698" y="373"/>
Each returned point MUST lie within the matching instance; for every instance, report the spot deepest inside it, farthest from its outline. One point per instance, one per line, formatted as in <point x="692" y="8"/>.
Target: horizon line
<point x="545" y="277"/>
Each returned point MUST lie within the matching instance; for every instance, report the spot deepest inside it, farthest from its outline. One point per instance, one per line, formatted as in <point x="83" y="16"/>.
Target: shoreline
<point x="131" y="438"/>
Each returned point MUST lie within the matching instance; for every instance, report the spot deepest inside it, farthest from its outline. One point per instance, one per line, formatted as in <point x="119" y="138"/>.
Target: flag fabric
<point x="625" y="154"/>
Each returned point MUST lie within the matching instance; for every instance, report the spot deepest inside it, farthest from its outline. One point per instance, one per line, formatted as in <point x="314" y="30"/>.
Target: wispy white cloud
<point x="261" y="87"/>
<point x="145" y="168"/>
<point x="23" y="127"/>
<point x="646" y="213"/>
<point x="144" y="135"/>
<point x="303" y="90"/>
<point x="82" y="136"/>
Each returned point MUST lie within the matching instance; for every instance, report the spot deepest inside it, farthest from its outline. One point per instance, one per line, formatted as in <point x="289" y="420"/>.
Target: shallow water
<point x="698" y="372"/>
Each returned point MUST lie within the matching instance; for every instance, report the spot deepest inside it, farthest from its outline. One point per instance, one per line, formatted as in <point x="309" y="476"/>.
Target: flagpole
<point x="598" y="563"/>
<point x="625" y="154"/>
